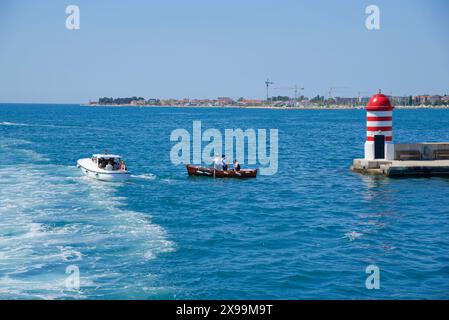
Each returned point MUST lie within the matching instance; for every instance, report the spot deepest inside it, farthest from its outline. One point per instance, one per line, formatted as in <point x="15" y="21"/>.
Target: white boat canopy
<point x="106" y="156"/>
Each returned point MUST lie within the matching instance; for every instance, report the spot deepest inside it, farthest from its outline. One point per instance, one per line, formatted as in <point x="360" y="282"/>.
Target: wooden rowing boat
<point x="211" y="172"/>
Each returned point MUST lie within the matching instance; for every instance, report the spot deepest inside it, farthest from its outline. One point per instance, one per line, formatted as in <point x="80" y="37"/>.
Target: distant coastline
<point x="330" y="107"/>
<point x="302" y="102"/>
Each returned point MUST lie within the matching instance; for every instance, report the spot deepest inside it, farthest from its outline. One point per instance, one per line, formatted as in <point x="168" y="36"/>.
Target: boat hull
<point x="212" y="173"/>
<point x="103" y="175"/>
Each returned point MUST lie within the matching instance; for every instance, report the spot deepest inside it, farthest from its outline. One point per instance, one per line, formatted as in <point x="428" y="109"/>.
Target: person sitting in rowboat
<point x="218" y="163"/>
<point x="236" y="165"/>
<point x="224" y="162"/>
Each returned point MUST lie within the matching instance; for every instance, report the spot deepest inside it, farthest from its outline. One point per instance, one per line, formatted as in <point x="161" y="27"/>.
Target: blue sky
<point x="205" y="49"/>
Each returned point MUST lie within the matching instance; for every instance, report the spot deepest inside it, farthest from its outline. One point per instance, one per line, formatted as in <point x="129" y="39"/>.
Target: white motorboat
<point x="105" y="167"/>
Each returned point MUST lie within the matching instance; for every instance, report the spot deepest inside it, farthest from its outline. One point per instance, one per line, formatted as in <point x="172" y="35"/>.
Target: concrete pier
<point x="402" y="168"/>
<point x="418" y="159"/>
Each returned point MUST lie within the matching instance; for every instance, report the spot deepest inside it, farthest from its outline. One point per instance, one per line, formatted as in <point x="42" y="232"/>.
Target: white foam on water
<point x="17" y="150"/>
<point x="146" y="176"/>
<point x="12" y="142"/>
<point x="70" y="254"/>
<point x="18" y="124"/>
<point x="6" y="123"/>
<point x="52" y="217"/>
<point x="353" y="235"/>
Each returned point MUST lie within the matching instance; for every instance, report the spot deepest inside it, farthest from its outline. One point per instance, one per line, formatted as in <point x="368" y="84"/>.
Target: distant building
<point x="250" y="102"/>
<point x="400" y="100"/>
<point x="434" y="99"/>
<point x="445" y="99"/>
<point x="363" y="100"/>
<point x="184" y="101"/>
<point x="169" y="102"/>
<point x="344" y="101"/>
<point x="139" y="102"/>
<point x="153" y="102"/>
<point x="224" y="101"/>
<point x="422" y="99"/>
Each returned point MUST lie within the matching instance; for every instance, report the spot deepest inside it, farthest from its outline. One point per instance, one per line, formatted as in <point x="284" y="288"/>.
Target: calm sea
<point x="307" y="232"/>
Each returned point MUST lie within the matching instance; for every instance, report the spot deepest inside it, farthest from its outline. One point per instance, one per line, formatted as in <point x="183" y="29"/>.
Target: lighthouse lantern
<point x="379" y="129"/>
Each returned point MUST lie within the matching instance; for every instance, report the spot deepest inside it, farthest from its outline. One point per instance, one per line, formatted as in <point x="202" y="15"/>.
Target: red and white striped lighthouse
<point x="379" y="128"/>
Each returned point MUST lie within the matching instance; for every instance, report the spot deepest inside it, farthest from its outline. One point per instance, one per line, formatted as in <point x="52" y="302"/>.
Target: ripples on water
<point x="307" y="232"/>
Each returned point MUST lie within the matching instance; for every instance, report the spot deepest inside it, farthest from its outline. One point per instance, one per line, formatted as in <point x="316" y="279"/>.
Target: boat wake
<point x="5" y="123"/>
<point x="146" y="176"/>
<point x="51" y="218"/>
<point x="19" y="124"/>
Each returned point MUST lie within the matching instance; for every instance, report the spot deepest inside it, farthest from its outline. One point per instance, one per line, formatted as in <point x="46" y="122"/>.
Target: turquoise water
<point x="307" y="232"/>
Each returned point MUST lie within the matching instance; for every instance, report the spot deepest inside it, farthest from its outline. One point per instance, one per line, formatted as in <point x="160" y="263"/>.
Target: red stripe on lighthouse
<point x="379" y="118"/>
<point x="368" y="108"/>
<point x="386" y="138"/>
<point x="378" y="128"/>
